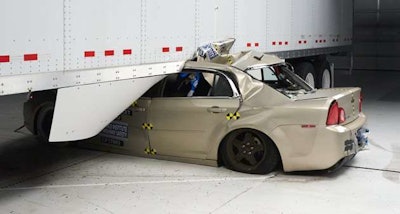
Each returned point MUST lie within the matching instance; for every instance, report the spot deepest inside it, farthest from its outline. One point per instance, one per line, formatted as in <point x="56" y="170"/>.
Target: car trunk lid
<point x="348" y="99"/>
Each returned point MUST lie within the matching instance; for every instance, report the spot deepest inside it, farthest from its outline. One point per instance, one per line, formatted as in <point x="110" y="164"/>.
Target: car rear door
<point x="186" y="126"/>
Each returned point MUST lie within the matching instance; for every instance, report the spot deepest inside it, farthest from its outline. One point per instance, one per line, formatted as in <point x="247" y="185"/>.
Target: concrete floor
<point x="39" y="178"/>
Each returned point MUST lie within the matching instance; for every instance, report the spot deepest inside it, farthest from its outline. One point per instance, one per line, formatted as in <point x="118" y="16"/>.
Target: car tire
<point x="306" y="71"/>
<point x="44" y="121"/>
<point x="249" y="151"/>
<point x="324" y="78"/>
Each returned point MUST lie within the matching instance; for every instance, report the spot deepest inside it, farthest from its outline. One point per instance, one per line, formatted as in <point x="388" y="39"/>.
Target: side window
<point x="256" y="74"/>
<point x="269" y="74"/>
<point x="187" y="83"/>
<point x="266" y="74"/>
<point x="194" y="83"/>
<point x="221" y="87"/>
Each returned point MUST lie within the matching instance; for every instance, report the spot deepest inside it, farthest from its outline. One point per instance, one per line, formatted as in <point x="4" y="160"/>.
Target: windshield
<point x="282" y="78"/>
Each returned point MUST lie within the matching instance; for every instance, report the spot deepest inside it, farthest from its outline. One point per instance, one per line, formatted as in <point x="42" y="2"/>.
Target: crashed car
<point x="246" y="111"/>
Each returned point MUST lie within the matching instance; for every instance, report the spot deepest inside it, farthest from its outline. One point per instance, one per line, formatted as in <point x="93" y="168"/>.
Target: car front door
<point x="125" y="134"/>
<point x="190" y="114"/>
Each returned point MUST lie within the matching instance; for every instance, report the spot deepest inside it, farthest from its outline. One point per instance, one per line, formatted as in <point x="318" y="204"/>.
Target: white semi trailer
<point x="95" y="57"/>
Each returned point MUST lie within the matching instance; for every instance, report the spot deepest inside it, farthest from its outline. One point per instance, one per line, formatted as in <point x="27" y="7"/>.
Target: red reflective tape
<point x="316" y="41"/>
<point x="89" y="54"/>
<point x="256" y="44"/>
<point x="305" y="42"/>
<point x="179" y="49"/>
<point x="248" y="44"/>
<point x="109" y="53"/>
<point x="5" y="58"/>
<point x="320" y="41"/>
<point x="30" y="57"/>
<point x="280" y="43"/>
<point x="165" y="49"/>
<point x="286" y="43"/>
<point x="324" y="40"/>
<point x="127" y="51"/>
<point x="273" y="43"/>
<point x="300" y="42"/>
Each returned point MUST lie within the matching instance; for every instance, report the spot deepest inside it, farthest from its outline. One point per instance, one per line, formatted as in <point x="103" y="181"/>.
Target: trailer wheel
<point x="324" y="79"/>
<point x="44" y="121"/>
<point x="306" y="71"/>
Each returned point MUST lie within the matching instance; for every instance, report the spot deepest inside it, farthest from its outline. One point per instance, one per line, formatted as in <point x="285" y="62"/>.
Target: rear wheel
<point x="324" y="79"/>
<point x="249" y="151"/>
<point x="44" y="121"/>
<point x="306" y="71"/>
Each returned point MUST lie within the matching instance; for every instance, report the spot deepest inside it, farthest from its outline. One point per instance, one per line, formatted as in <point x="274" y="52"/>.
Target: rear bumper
<point x="331" y="146"/>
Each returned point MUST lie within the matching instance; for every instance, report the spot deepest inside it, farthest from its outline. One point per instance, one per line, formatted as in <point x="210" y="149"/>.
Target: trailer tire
<point x="306" y="71"/>
<point x="44" y="121"/>
<point x="324" y="78"/>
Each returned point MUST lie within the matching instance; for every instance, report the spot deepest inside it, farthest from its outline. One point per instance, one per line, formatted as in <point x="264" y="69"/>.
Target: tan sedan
<point x="250" y="116"/>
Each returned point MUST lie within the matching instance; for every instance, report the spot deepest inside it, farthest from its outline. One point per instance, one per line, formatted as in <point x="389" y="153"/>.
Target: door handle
<point x="216" y="109"/>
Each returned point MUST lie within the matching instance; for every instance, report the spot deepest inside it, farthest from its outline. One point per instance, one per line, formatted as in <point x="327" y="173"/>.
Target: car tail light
<point x="360" y="100"/>
<point x="336" y="114"/>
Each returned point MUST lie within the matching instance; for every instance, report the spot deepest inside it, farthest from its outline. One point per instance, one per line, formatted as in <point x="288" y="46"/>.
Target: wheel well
<point x="219" y="157"/>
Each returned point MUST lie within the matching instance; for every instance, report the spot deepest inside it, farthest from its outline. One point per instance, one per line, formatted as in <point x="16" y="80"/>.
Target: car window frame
<point x="160" y="86"/>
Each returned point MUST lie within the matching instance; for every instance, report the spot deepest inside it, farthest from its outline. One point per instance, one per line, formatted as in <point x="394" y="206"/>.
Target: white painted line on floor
<point x="254" y="178"/>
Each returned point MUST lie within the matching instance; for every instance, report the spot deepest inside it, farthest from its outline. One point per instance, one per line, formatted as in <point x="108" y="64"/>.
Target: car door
<point x="125" y="133"/>
<point x="185" y="124"/>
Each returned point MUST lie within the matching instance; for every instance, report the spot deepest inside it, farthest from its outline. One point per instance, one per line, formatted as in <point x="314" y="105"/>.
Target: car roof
<point x="249" y="59"/>
<point x="240" y="61"/>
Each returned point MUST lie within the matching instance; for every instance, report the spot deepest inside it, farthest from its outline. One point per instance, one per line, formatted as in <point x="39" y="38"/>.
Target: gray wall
<point x="376" y="37"/>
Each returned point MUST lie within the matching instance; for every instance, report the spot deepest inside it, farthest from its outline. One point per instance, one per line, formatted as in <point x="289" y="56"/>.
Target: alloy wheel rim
<point x="248" y="149"/>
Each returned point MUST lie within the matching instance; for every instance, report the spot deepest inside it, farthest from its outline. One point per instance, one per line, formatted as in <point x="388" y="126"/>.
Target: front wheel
<point x="44" y="121"/>
<point x="249" y="151"/>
